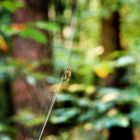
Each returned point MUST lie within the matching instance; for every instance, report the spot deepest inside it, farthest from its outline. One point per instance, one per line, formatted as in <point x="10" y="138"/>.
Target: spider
<point x="67" y="75"/>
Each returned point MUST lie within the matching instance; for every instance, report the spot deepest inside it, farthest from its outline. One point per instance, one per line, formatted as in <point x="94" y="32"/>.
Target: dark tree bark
<point x="110" y="33"/>
<point x="111" y="42"/>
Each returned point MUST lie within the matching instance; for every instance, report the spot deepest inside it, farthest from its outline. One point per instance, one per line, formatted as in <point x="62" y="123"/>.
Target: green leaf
<point x="107" y="122"/>
<point x="63" y="115"/>
<point x="87" y="116"/>
<point x="65" y="98"/>
<point x="34" y="34"/>
<point x="11" y="5"/>
<point x="134" y="115"/>
<point x="6" y="128"/>
<point x="47" y="26"/>
<point x="84" y="102"/>
<point x="125" y="61"/>
<point x="29" y="118"/>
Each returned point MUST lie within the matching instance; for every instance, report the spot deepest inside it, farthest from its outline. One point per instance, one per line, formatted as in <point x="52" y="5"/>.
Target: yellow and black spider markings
<point x="67" y="75"/>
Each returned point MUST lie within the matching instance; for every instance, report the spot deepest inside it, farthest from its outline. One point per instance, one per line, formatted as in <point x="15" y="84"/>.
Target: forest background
<point x="98" y="40"/>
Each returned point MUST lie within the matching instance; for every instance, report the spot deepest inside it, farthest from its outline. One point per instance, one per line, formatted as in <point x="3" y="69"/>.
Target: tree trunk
<point x="29" y="50"/>
<point x="110" y="33"/>
<point x="111" y="42"/>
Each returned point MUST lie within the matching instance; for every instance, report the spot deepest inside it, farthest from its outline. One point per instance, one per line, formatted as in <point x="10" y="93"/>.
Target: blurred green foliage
<point x="89" y="108"/>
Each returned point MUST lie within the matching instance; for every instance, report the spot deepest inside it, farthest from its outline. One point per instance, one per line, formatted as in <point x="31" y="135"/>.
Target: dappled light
<point x="69" y="70"/>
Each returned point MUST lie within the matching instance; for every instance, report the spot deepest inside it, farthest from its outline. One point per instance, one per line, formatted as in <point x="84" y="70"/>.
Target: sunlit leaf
<point x="11" y="5"/>
<point x="63" y="115"/>
<point x="47" y="26"/>
<point x="28" y="118"/>
<point x="65" y="98"/>
<point x="76" y="87"/>
<point x="125" y="61"/>
<point x="104" y="69"/>
<point x="117" y="120"/>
